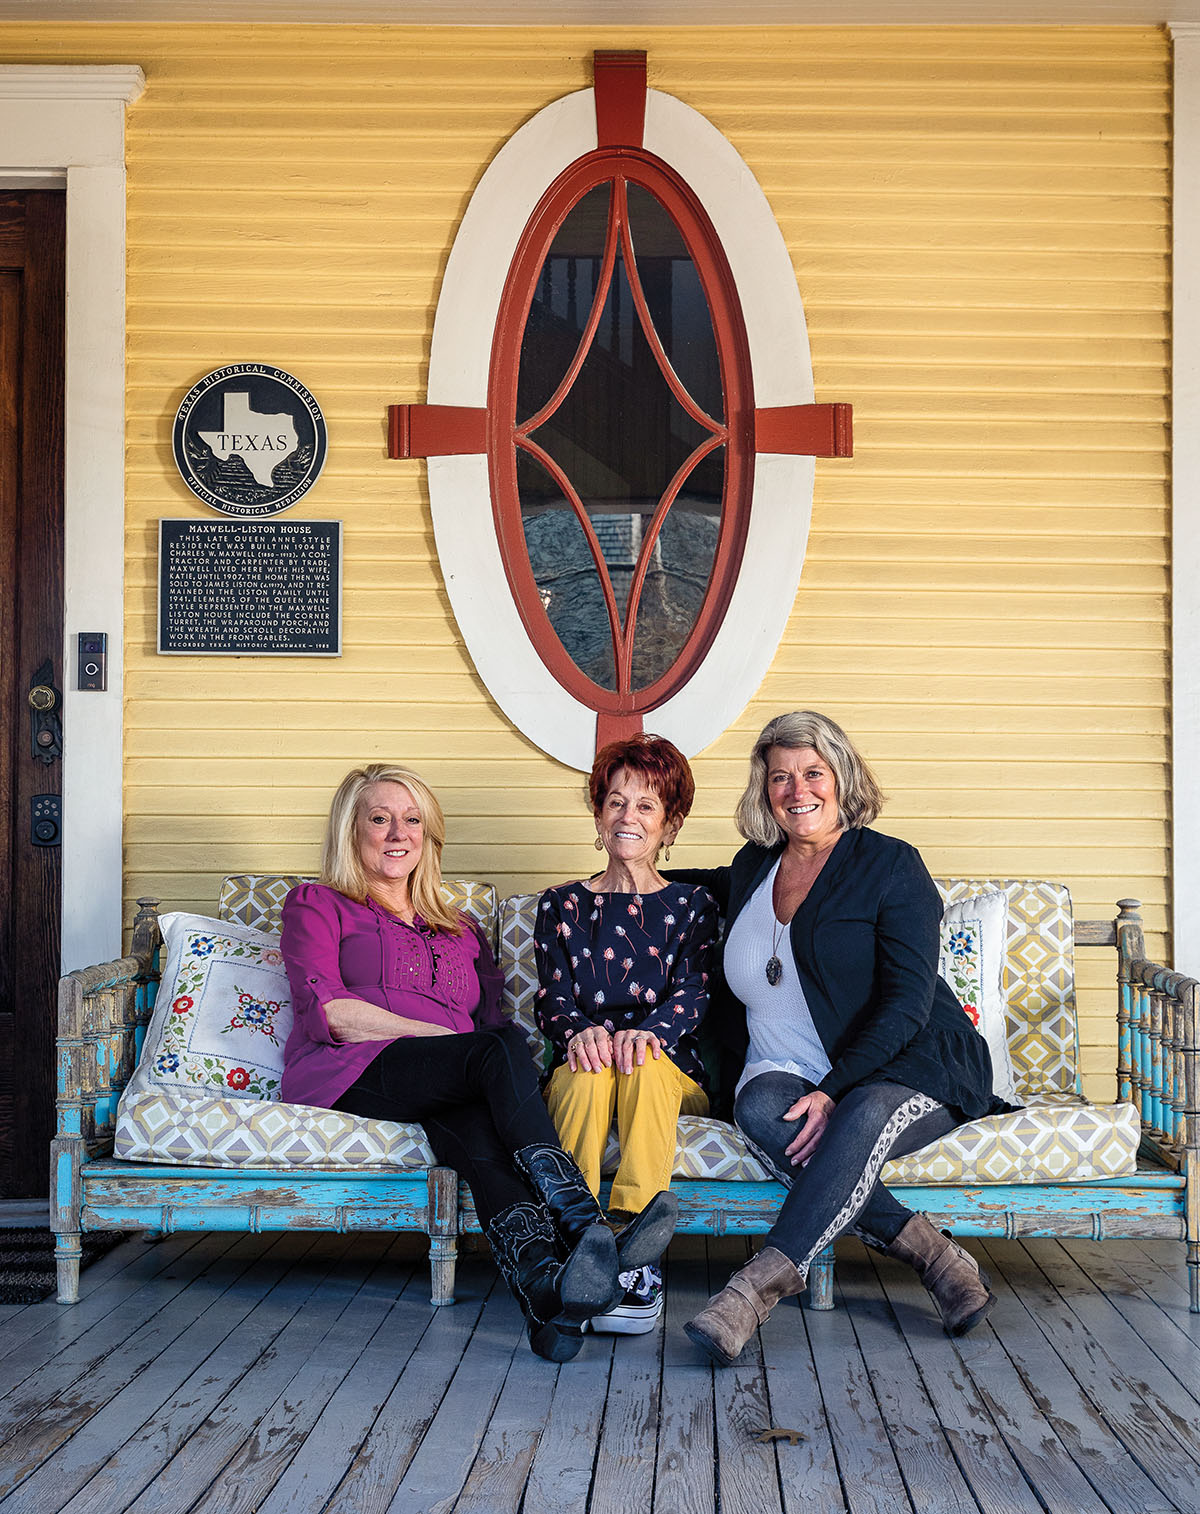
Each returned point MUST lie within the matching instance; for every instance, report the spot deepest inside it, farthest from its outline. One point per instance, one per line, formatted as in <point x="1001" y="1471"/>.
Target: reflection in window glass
<point x="620" y="434"/>
<point x="566" y="577"/>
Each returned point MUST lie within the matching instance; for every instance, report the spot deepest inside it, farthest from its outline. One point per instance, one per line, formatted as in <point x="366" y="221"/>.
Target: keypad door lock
<point x="45" y="820"/>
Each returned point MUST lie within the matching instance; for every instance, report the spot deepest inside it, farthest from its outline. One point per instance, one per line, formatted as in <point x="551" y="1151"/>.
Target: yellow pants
<point x="647" y="1103"/>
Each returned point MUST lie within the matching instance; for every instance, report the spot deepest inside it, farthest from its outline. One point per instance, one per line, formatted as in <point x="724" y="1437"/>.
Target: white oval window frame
<point x="781" y="365"/>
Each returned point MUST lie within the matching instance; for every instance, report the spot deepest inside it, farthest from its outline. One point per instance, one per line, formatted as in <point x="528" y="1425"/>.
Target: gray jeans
<point x="839" y="1189"/>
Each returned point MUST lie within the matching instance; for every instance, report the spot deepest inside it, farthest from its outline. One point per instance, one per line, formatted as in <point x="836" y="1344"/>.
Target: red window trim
<point x="736" y="433"/>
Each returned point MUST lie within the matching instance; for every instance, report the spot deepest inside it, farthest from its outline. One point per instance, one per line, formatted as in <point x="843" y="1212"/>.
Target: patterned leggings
<point x="839" y="1189"/>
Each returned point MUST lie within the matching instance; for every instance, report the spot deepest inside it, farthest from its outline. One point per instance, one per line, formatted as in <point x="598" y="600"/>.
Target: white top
<point x="783" y="1037"/>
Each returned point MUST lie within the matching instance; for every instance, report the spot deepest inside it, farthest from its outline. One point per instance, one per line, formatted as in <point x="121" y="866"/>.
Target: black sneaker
<point x="638" y="1311"/>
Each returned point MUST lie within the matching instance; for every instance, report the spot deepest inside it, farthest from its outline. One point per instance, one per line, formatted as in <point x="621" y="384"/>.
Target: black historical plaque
<point x="270" y="588"/>
<point x="249" y="440"/>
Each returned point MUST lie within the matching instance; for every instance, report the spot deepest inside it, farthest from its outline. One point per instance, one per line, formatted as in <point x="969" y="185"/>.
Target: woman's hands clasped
<point x="596" y="1047"/>
<point x="814" y="1109"/>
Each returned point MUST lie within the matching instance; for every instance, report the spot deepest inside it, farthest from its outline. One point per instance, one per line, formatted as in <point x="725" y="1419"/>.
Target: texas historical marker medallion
<point x="249" y="439"/>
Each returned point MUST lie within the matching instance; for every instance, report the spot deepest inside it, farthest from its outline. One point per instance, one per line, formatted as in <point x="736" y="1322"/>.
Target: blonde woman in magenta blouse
<point x="397" y="1017"/>
<point x="623" y="963"/>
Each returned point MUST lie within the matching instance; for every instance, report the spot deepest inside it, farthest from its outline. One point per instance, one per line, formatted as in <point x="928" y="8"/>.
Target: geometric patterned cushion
<point x="194" y="1129"/>
<point x="1039" y="980"/>
<point x="257" y="899"/>
<point x="1064" y="1139"/>
<point x="517" y="915"/>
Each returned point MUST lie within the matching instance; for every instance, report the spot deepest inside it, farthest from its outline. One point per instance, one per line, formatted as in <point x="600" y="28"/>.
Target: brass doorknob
<point x="42" y="697"/>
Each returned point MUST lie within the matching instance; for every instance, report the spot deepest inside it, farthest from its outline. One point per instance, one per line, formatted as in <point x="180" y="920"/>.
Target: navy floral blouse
<point x="628" y="961"/>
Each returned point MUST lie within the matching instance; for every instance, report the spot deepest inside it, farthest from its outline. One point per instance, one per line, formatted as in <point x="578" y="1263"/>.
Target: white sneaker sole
<point x="626" y="1319"/>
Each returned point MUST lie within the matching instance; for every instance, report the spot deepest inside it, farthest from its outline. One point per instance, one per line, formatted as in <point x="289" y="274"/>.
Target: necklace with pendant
<point x="774" y="965"/>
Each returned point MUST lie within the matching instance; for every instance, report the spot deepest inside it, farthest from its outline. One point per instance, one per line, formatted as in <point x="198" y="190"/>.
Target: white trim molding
<point x="58" y="122"/>
<point x="1185" y="501"/>
<point x="781" y="365"/>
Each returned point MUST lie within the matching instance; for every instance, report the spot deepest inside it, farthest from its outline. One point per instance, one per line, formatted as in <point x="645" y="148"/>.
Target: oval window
<point x="619" y="354"/>
<point x="621" y="454"/>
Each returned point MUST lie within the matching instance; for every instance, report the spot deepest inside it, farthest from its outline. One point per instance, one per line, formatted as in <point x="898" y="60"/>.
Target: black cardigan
<point x="865" y="942"/>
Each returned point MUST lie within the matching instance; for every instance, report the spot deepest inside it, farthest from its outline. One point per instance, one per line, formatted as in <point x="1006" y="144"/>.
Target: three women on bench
<point x="852" y="1050"/>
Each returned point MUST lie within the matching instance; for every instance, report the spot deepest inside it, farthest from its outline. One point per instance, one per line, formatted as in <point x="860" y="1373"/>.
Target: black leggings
<point x="839" y="1188"/>
<point x="478" y="1098"/>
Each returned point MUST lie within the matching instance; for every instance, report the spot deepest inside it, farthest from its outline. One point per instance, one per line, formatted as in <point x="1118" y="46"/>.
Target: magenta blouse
<point x="335" y="948"/>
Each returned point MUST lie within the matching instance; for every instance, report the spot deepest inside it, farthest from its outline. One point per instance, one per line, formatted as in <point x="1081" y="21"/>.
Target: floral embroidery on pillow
<point x="223" y="1029"/>
<point x="254" y="1015"/>
<point x="961" y="966"/>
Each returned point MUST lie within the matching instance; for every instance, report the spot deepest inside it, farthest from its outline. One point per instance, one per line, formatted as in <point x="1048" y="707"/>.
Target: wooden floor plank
<point x="1093" y="1443"/>
<point x="685" y="1473"/>
<point x="992" y="1472"/>
<point x="870" y="1474"/>
<point x="808" y="1471"/>
<point x="149" y="1446"/>
<point x="932" y="1479"/>
<point x="18" y="1322"/>
<point x="1172" y="1334"/>
<point x="435" y="1476"/>
<point x="560" y="1475"/>
<point x="324" y="1383"/>
<point x="345" y="1422"/>
<point x="497" y="1479"/>
<point x="202" y="1456"/>
<point x="416" y="1387"/>
<point x="73" y="1384"/>
<point x="628" y="1450"/>
<point x="265" y="1455"/>
<point x="1165" y="1286"/>
<point x="1129" y="1406"/>
<point x="747" y="1475"/>
<point x="52" y="1327"/>
<point x="86" y="1443"/>
<point x="1164" y="1373"/>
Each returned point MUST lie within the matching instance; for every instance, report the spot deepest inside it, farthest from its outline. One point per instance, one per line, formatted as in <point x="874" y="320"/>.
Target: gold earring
<point x="599" y="844"/>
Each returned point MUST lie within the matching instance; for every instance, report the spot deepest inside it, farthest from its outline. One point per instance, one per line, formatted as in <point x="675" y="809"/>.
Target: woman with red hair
<point x="623" y="964"/>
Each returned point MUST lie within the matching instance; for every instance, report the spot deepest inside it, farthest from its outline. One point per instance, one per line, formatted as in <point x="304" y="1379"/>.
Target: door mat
<point x="27" y="1269"/>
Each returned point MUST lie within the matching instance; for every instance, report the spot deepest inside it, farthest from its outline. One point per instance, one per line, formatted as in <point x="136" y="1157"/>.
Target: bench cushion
<point x="193" y="1129"/>
<point x="1063" y="1139"/>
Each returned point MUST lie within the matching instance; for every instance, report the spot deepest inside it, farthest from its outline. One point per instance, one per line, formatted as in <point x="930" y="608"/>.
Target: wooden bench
<point x="104" y="1011"/>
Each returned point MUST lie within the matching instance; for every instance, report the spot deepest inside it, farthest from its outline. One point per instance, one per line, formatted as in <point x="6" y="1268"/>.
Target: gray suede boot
<point x="731" y="1317"/>
<point x="952" y="1275"/>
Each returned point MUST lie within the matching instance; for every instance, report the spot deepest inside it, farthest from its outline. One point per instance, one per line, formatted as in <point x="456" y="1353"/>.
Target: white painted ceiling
<point x="624" y="13"/>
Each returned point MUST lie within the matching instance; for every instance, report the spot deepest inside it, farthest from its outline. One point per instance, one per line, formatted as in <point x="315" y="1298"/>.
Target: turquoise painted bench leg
<point x="68" y="1253"/>
<point x="443" y="1233"/>
<point x="820" y="1281"/>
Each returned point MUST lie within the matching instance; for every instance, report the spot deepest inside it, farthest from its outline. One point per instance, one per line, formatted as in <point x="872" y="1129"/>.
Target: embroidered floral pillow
<point x="972" y="962"/>
<point x="223" y="1011"/>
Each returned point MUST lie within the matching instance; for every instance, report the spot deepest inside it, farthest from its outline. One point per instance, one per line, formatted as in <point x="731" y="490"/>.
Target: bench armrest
<point x="1158" y="1043"/>
<point x="102" y="1016"/>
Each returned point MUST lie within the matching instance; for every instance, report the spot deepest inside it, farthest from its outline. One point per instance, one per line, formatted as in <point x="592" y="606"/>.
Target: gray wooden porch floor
<point x="308" y="1373"/>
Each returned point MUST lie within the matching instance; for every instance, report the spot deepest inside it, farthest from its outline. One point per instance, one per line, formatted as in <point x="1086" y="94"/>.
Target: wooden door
<point x="32" y="227"/>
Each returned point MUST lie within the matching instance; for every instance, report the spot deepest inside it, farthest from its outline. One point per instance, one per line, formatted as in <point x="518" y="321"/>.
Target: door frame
<point x="65" y="125"/>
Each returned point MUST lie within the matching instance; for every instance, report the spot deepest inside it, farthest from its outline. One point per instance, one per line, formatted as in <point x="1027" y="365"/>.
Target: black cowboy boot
<point x="556" y="1297"/>
<point x="554" y="1177"/>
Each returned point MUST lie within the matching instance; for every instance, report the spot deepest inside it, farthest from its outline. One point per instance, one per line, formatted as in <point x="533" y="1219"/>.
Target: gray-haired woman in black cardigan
<point x="855" y="1050"/>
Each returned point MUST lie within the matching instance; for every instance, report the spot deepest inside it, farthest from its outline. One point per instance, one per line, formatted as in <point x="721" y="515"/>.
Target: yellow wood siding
<point x="979" y="223"/>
